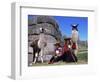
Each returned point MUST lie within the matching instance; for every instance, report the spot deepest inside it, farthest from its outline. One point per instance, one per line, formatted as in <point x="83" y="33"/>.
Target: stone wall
<point x="52" y="32"/>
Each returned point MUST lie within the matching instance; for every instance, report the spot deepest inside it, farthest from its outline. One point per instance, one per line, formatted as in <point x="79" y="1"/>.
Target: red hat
<point x="66" y="39"/>
<point x="57" y="44"/>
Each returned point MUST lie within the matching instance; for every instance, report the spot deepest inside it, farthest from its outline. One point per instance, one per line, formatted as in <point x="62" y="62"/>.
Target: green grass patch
<point x="82" y="59"/>
<point x="83" y="56"/>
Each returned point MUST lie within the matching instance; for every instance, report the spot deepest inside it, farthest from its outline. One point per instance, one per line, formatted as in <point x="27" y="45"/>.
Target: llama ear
<point x="46" y="30"/>
<point x="77" y="25"/>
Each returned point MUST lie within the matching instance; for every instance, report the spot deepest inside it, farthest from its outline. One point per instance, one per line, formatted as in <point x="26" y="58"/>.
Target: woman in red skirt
<point x="67" y="55"/>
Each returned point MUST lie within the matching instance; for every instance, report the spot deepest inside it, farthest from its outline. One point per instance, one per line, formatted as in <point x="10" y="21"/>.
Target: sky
<point x="65" y="22"/>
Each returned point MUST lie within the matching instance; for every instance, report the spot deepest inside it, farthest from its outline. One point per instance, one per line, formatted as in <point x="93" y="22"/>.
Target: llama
<point x="75" y="38"/>
<point x="36" y="50"/>
<point x="38" y="47"/>
<point x="42" y="43"/>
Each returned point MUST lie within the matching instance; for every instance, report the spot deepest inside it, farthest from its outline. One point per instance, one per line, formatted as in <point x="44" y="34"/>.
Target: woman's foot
<point x="50" y="62"/>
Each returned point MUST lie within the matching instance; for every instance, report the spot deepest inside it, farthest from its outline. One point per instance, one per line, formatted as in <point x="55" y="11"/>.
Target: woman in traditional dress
<point x="57" y="53"/>
<point x="67" y="55"/>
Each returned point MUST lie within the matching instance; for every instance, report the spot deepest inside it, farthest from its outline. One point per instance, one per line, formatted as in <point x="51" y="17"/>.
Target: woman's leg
<point x="59" y="58"/>
<point x="51" y="60"/>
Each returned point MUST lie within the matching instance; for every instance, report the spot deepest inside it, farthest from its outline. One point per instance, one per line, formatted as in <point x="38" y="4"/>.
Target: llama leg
<point x="41" y="59"/>
<point x="36" y="55"/>
<point x="75" y="52"/>
<point x="33" y="56"/>
<point x="41" y="56"/>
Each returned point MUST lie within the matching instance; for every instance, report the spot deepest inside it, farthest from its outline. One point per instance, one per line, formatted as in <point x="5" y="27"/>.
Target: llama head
<point x="74" y="26"/>
<point x="75" y="35"/>
<point x="42" y="30"/>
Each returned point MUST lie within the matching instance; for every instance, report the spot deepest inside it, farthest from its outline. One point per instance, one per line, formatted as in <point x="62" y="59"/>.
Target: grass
<point x="82" y="59"/>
